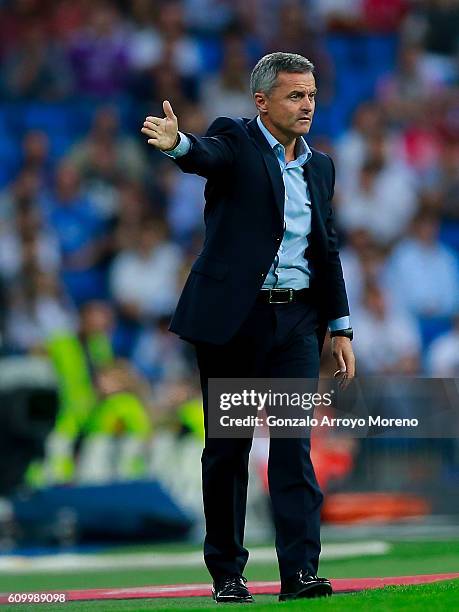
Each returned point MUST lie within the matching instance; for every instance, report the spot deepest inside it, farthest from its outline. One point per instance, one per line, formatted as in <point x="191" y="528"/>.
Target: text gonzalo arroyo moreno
<point x="306" y="401"/>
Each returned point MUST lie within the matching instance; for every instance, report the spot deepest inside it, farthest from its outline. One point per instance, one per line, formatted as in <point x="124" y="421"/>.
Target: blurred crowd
<point x="97" y="231"/>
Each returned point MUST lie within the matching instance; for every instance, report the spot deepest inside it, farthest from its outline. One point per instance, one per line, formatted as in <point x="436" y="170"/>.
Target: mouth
<point x="304" y="119"/>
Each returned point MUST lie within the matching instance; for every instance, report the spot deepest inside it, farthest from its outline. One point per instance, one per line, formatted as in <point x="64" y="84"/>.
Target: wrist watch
<point x="345" y="333"/>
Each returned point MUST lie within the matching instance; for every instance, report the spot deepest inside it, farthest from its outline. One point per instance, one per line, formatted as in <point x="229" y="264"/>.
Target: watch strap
<point x="345" y="333"/>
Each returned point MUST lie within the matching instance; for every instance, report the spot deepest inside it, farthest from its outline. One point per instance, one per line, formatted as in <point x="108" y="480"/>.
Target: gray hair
<point x="264" y="75"/>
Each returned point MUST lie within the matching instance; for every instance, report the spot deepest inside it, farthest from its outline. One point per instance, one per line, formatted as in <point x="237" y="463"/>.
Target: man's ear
<point x="261" y="102"/>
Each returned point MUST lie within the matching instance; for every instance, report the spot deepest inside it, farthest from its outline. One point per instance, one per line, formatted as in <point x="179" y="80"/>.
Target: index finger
<point x="155" y="120"/>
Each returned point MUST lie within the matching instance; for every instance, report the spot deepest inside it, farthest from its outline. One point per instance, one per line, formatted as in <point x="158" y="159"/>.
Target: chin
<point x="303" y="130"/>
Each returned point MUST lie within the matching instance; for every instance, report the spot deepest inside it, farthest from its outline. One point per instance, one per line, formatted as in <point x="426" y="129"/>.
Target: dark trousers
<point x="275" y="341"/>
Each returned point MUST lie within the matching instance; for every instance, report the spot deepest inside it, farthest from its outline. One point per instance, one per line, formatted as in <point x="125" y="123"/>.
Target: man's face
<point x="289" y="107"/>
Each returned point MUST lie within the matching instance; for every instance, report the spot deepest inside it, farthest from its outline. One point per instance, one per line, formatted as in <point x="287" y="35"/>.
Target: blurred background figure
<point x="422" y="272"/>
<point x="388" y="342"/>
<point x="137" y="291"/>
<point x="35" y="68"/>
<point x="104" y="157"/>
<point x="97" y="233"/>
<point x="443" y="356"/>
<point x="81" y="232"/>
<point x="98" y="52"/>
<point x="226" y="94"/>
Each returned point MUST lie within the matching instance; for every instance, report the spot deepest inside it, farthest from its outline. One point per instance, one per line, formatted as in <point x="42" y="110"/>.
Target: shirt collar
<point x="304" y="153"/>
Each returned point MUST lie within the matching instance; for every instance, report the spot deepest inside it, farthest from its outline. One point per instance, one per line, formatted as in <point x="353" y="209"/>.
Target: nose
<point x="307" y="105"/>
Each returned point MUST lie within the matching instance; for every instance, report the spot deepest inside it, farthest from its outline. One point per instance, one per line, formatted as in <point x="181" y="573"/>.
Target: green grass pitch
<point x="405" y="558"/>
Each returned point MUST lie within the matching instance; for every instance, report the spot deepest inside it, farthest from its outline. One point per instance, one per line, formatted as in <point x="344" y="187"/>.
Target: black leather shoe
<point x="231" y="589"/>
<point x="304" y="585"/>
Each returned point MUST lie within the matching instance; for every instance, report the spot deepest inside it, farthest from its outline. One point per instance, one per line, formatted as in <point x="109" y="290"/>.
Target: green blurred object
<point x="191" y="416"/>
<point x="76" y="389"/>
<point x="119" y="413"/>
<point x="83" y="413"/>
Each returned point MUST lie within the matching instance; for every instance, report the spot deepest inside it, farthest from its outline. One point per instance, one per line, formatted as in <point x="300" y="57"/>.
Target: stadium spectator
<point x="422" y="274"/>
<point x="132" y="211"/>
<point x="82" y="235"/>
<point x="443" y="355"/>
<point x="383" y="202"/>
<point x="412" y="81"/>
<point x="154" y="40"/>
<point x="185" y="208"/>
<point x="209" y="17"/>
<point x="35" y="69"/>
<point x="383" y="16"/>
<point x="96" y="326"/>
<point x="444" y="182"/>
<point x="163" y="57"/>
<point x="225" y="94"/>
<point x="98" y="53"/>
<point x="23" y="190"/>
<point x="387" y="341"/>
<point x="420" y="141"/>
<point x="137" y="291"/>
<point x="158" y="355"/>
<point x="104" y="158"/>
<point x="35" y="157"/>
<point x="100" y="405"/>
<point x="352" y="146"/>
<point x="27" y="242"/>
<point x="297" y="32"/>
<point x="362" y="262"/>
<point x="185" y="192"/>
<point x="67" y="17"/>
<point x="143" y="35"/>
<point x="37" y="309"/>
<point x="338" y="16"/>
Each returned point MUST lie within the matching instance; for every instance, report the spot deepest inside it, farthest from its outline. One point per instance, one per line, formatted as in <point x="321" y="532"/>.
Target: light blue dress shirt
<point x="289" y="268"/>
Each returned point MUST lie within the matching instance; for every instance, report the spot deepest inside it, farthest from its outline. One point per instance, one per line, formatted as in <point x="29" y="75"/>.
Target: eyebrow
<point x="296" y="91"/>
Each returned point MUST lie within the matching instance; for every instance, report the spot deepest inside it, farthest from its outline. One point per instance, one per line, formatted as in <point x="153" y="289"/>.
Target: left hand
<point x="345" y="360"/>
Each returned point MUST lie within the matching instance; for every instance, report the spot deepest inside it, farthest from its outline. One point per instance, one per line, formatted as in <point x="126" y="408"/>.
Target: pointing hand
<point x="162" y="132"/>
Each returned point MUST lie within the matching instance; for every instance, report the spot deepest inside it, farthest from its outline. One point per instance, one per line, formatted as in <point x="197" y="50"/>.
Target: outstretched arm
<point x="197" y="155"/>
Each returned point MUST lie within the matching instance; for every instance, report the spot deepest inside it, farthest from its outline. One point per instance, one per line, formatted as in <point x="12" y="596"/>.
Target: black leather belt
<point x="282" y="296"/>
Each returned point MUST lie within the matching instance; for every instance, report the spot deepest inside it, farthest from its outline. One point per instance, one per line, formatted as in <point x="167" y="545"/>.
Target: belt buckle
<point x="287" y="301"/>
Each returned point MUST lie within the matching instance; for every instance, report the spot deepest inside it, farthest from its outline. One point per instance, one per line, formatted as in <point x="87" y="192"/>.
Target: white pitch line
<point x="70" y="562"/>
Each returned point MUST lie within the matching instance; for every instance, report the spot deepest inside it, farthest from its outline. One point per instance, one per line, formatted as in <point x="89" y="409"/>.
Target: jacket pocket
<point x="210" y="267"/>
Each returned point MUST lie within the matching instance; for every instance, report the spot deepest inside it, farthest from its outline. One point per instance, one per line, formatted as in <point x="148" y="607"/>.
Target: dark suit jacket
<point x="244" y="217"/>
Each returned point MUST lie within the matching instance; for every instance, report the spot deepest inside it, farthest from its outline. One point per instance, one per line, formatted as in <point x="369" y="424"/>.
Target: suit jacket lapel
<point x="318" y="231"/>
<point x="272" y="165"/>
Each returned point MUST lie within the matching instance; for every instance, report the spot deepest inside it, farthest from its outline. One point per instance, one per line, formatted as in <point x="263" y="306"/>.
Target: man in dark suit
<point x="257" y="303"/>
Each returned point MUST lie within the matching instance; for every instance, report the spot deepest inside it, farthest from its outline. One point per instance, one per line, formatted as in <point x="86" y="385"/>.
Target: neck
<point x="287" y="141"/>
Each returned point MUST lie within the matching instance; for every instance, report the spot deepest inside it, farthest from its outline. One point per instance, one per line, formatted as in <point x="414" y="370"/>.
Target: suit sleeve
<point x="336" y="289"/>
<point x="213" y="152"/>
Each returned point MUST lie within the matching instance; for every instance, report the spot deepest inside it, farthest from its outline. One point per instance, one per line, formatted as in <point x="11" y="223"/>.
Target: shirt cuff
<point x="181" y="149"/>
<point x="341" y="323"/>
